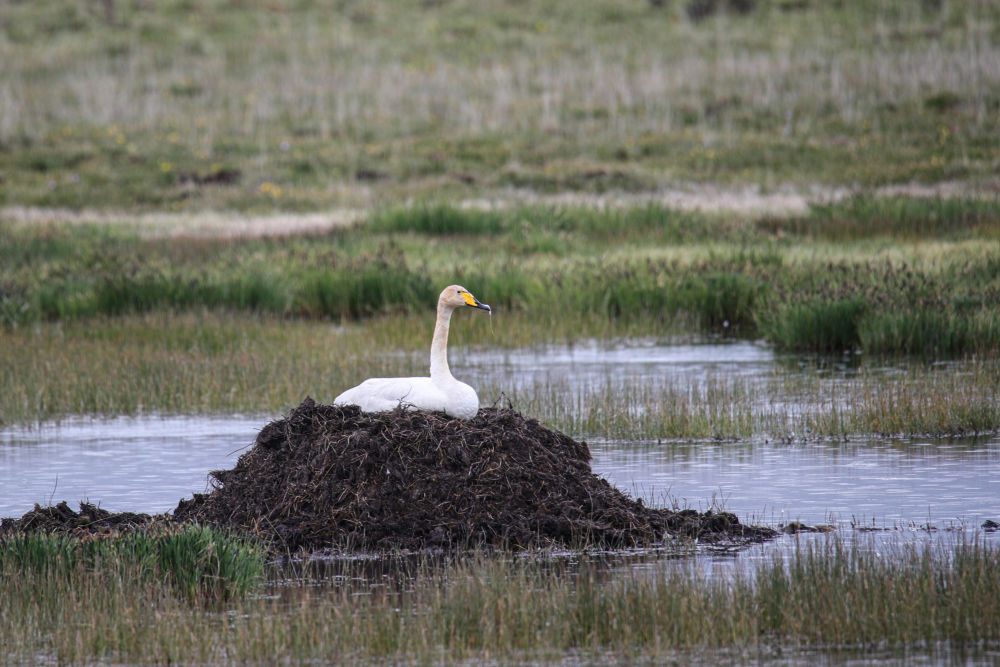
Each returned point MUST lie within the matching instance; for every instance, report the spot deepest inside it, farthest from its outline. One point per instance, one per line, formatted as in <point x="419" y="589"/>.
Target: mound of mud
<point x="335" y="477"/>
<point x="62" y="519"/>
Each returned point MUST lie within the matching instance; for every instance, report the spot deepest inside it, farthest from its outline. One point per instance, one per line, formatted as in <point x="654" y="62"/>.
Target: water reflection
<point x="883" y="481"/>
<point x="138" y="464"/>
<point x="601" y="363"/>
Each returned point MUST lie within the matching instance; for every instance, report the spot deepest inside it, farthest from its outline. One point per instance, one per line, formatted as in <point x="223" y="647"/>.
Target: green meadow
<point x="217" y="207"/>
<point x="299" y="105"/>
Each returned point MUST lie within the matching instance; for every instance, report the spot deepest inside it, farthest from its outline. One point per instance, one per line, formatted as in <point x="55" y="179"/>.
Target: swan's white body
<point x="439" y="392"/>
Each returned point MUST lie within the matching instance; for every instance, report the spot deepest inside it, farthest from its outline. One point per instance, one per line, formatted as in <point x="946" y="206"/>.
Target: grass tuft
<point x="438" y="220"/>
<point x="197" y="562"/>
<point x="363" y="289"/>
<point x="819" y="326"/>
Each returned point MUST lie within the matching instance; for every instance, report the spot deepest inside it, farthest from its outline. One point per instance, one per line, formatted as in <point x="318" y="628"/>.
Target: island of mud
<point x="335" y="478"/>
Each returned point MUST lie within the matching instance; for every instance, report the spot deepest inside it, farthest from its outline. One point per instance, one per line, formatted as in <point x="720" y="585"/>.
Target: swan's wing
<point x="382" y="394"/>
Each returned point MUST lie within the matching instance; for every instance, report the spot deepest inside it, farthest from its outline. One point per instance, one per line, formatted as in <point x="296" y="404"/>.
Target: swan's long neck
<point x="439" y="345"/>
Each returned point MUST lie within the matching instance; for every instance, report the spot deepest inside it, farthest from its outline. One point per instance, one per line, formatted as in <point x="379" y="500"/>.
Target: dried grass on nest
<point x="328" y="476"/>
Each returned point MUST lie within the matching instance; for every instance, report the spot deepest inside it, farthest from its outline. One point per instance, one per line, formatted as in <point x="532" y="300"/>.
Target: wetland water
<point x="147" y="464"/>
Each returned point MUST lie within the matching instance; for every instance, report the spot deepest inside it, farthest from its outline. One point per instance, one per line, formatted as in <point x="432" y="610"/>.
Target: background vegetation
<point x="304" y="105"/>
<point x="886" y="275"/>
<point x="117" y="322"/>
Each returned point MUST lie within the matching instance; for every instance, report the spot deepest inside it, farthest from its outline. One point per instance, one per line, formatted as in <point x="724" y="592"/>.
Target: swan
<point x="440" y="391"/>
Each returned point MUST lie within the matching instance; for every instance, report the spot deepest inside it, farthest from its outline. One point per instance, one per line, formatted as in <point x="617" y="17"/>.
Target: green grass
<point x="903" y="218"/>
<point x="784" y="404"/>
<point x="827" y="594"/>
<point x="196" y="562"/>
<point x="820" y="326"/>
<point x="440" y="220"/>
<point x="928" y="295"/>
<point x="168" y="108"/>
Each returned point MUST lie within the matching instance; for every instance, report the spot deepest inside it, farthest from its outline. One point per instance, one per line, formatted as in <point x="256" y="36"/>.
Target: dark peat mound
<point x="329" y="477"/>
<point x="63" y="519"/>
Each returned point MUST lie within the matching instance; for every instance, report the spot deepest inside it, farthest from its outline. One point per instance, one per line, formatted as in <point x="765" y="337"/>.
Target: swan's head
<point x="455" y="296"/>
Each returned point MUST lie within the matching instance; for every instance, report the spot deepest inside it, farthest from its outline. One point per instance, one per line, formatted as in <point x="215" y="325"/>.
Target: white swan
<point x="440" y="391"/>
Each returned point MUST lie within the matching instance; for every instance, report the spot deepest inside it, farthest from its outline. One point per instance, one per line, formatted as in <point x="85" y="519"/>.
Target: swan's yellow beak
<point x="474" y="302"/>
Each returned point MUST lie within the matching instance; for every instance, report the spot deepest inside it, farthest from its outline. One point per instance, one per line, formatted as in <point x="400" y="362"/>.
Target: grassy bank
<point x="914" y="399"/>
<point x="477" y="608"/>
<point x="295" y="105"/>
<point x="882" y="275"/>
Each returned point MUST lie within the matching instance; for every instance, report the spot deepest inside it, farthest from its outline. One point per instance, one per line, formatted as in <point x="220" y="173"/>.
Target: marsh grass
<point x="101" y="321"/>
<point x="932" y="329"/>
<point x="649" y="222"/>
<point x="953" y="400"/>
<point x="722" y="276"/>
<point x="821" y="594"/>
<point x="440" y="219"/>
<point x="819" y="326"/>
<point x="896" y="217"/>
<point x="716" y="408"/>
<point x="196" y="562"/>
<point x="901" y="399"/>
<point x="212" y="363"/>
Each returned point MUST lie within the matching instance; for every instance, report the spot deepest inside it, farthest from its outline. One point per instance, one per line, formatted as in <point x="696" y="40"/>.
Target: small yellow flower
<point x="271" y="189"/>
<point x="166" y="167"/>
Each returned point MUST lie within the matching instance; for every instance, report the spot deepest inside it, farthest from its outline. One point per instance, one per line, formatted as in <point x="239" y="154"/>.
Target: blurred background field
<point x="297" y="105"/>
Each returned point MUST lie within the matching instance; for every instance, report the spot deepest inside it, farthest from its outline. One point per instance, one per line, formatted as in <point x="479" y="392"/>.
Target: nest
<point x="63" y="519"/>
<point x="335" y="477"/>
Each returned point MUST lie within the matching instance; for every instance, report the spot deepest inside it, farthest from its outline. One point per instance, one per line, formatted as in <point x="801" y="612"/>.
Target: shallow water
<point x="879" y="483"/>
<point x="141" y="464"/>
<point x="147" y="464"/>
<point x="598" y="363"/>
